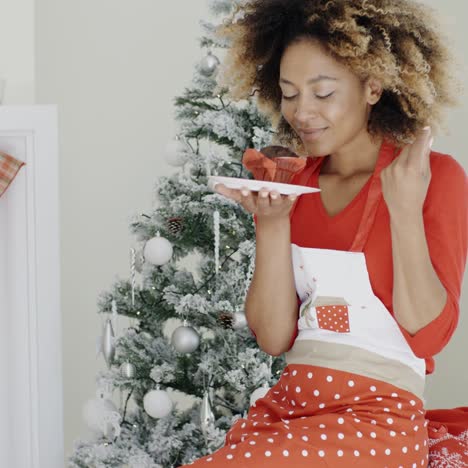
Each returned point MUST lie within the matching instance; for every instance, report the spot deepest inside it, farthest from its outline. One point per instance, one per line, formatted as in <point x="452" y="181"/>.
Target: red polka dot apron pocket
<point x="333" y="318"/>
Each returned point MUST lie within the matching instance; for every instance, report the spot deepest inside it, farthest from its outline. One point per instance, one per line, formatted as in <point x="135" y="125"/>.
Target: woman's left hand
<point x="406" y="180"/>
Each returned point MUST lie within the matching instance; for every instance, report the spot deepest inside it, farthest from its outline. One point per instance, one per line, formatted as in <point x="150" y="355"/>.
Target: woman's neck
<point x="358" y="156"/>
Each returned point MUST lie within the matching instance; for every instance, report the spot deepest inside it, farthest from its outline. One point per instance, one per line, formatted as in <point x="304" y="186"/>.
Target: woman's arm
<point x="418" y="294"/>
<point x="271" y="305"/>
<point x="429" y="259"/>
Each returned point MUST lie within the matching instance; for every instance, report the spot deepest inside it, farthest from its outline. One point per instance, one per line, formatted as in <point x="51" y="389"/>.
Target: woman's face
<point x="322" y="100"/>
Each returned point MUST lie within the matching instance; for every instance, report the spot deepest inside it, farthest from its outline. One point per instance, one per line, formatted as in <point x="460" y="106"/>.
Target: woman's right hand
<point x="265" y="204"/>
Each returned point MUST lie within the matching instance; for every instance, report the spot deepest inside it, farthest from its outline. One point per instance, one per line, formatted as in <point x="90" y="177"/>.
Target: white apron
<point x="342" y="324"/>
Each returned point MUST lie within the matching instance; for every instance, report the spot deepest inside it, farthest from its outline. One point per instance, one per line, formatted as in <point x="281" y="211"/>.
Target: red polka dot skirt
<point x="320" y="417"/>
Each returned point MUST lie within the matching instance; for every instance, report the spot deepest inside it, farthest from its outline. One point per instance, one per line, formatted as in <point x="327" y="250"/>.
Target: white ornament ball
<point x="175" y="153"/>
<point x="158" y="250"/>
<point x="209" y="64"/>
<point x="258" y="393"/>
<point x="94" y="412"/>
<point x="185" y="339"/>
<point x="157" y="403"/>
<point x="239" y="321"/>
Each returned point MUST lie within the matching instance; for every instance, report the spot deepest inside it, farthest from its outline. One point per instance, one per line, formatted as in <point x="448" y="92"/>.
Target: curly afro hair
<point x="394" y="41"/>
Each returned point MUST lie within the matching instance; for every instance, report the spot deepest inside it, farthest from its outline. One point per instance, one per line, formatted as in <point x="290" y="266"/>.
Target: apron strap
<point x="386" y="155"/>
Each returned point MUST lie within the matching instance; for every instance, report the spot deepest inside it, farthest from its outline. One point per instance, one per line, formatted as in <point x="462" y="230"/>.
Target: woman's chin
<point x="316" y="150"/>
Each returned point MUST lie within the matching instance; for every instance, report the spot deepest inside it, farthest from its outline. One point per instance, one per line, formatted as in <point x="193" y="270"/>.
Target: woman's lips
<point x="312" y="135"/>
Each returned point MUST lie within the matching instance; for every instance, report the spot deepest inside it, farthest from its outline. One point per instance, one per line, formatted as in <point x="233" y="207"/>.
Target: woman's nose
<point x="305" y="112"/>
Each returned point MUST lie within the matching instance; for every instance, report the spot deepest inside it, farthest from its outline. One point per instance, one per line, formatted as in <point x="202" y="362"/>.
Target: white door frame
<point x="31" y="402"/>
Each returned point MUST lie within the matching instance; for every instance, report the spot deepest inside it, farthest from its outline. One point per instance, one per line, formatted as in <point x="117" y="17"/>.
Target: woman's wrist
<point x="272" y="232"/>
<point x="281" y="223"/>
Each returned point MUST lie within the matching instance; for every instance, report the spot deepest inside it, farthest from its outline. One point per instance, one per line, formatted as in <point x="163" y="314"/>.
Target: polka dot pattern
<point x="334" y="318"/>
<point x="316" y="413"/>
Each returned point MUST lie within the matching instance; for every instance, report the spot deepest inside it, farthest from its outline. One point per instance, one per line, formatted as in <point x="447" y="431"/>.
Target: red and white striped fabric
<point x="9" y="167"/>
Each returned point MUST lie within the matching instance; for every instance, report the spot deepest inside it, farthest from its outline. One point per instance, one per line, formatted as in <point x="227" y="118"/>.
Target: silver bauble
<point x="239" y="321"/>
<point x="158" y="250"/>
<point x="206" y="415"/>
<point x="185" y="339"/>
<point x="175" y="152"/>
<point x="127" y="370"/>
<point x="157" y="403"/>
<point x="139" y="260"/>
<point x="209" y="64"/>
<point x="108" y="343"/>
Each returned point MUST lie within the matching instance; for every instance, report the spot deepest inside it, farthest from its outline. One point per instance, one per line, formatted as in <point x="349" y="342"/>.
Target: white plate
<point x="257" y="185"/>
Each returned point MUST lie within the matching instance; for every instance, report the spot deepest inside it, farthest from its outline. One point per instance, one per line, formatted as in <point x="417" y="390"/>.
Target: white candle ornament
<point x="216" y="239"/>
<point x="133" y="273"/>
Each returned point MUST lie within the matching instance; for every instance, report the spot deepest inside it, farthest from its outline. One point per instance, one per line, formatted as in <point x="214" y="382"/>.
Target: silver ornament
<point x="133" y="270"/>
<point x="209" y="64"/>
<point x="157" y="403"/>
<point x="216" y="226"/>
<point x="127" y="370"/>
<point x="239" y="321"/>
<point x="185" y="339"/>
<point x="176" y="152"/>
<point x="158" y="250"/>
<point x="206" y="415"/>
<point x="139" y="260"/>
<point x="108" y="343"/>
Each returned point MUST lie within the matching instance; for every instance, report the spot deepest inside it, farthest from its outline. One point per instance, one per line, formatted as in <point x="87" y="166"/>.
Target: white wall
<point x="17" y="50"/>
<point x="113" y="68"/>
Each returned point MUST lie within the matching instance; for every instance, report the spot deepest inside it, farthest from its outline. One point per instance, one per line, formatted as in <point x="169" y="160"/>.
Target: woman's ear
<point x="373" y="91"/>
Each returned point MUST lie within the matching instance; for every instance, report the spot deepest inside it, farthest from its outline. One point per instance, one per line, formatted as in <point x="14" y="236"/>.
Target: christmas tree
<point x="211" y="357"/>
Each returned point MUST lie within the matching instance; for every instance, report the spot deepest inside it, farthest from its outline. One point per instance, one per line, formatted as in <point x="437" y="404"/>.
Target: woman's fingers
<point x="248" y="200"/>
<point x="263" y="200"/>
<point x="263" y="203"/>
<point x="227" y="192"/>
<point x="275" y="199"/>
<point x="282" y="203"/>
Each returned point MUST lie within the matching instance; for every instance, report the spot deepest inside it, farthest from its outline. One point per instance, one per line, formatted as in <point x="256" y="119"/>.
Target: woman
<point x="360" y="283"/>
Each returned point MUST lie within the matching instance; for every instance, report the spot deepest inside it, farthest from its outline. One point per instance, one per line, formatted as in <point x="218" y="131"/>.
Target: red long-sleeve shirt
<point x="445" y="216"/>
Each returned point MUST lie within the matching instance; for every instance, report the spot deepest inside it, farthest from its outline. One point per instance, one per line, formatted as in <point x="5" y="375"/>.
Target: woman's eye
<point x="289" y="98"/>
<point x="325" y="97"/>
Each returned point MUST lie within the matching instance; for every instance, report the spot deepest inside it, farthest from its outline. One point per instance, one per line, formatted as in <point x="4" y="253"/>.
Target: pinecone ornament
<point x="175" y="225"/>
<point x="225" y="319"/>
<point x="235" y="321"/>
